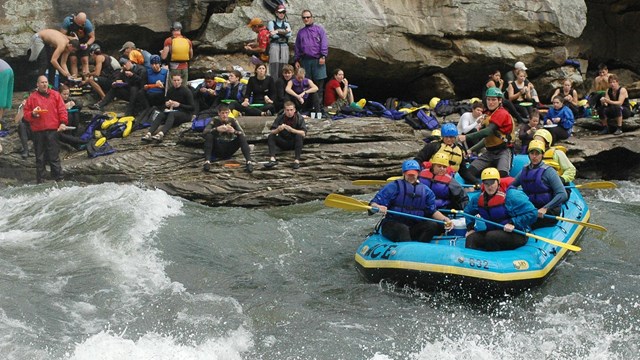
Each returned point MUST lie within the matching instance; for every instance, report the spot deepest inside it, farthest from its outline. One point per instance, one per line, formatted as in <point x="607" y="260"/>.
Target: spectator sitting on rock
<point x="223" y="136"/>
<point x="337" y="93"/>
<point x="569" y="96"/>
<point x="281" y="85"/>
<point x="104" y="71"/>
<point x="615" y="106"/>
<point x="126" y="85"/>
<point x="303" y="92"/>
<point x="559" y="120"/>
<point x="137" y="56"/>
<point x="179" y="107"/>
<point x="600" y="87"/>
<point x="528" y="130"/>
<point x="261" y="89"/>
<point x="80" y="28"/>
<point x="519" y="92"/>
<point x="152" y="93"/>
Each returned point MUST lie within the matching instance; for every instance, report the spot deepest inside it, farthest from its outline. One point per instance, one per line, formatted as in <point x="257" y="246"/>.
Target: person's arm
<point x="623" y="96"/>
<point x="289" y="89"/>
<point x="523" y="213"/>
<point x="270" y="96"/>
<point x="481" y="134"/>
<point x="555" y="93"/>
<point x="511" y="92"/>
<point x="574" y="98"/>
<point x="459" y="196"/>
<point x="20" y="112"/>
<point x="324" y="45"/>
<point x="60" y="53"/>
<point x="63" y="114"/>
<point x="342" y="94"/>
<point x="97" y="69"/>
<point x="557" y="187"/>
<point x="568" y="170"/>
<point x="427" y="152"/>
<point x="312" y="88"/>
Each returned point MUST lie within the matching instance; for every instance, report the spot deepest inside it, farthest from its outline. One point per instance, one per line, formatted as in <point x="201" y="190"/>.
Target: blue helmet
<point x="410" y="165"/>
<point x="449" y="129"/>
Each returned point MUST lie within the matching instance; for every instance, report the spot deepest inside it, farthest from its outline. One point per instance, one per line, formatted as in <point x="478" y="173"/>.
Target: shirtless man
<point x="600" y="86"/>
<point x="51" y="49"/>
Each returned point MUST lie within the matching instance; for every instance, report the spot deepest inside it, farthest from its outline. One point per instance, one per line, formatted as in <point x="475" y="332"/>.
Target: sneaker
<point x="618" y="132"/>
<point x="249" y="167"/>
<point x="95" y="106"/>
<point x="604" y="131"/>
<point x="206" y="166"/>
<point x="271" y="164"/>
<point x="24" y="154"/>
<point x="146" y="137"/>
<point x="296" y="166"/>
<point x="158" y="137"/>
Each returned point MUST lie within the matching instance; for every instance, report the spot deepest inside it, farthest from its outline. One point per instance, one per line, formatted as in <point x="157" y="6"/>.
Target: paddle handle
<point x="411" y="216"/>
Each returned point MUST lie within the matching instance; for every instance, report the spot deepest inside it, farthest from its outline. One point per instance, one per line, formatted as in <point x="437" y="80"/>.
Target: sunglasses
<point x="307" y="17"/>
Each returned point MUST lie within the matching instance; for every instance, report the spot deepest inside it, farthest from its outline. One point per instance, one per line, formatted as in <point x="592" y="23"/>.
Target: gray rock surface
<point x="335" y="153"/>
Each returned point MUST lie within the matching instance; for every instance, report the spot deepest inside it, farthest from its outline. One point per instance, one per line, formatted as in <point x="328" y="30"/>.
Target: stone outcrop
<point x="335" y="153"/>
<point x="412" y="49"/>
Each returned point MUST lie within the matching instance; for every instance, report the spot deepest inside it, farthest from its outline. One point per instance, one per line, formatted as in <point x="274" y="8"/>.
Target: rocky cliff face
<point x="414" y="49"/>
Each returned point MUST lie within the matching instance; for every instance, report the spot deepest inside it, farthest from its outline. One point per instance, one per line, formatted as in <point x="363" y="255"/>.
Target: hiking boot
<point x="146" y="137"/>
<point x="604" y="131"/>
<point x="296" y="166"/>
<point x="618" y="132"/>
<point x="249" y="167"/>
<point x="206" y="166"/>
<point x="158" y="137"/>
<point x="24" y="154"/>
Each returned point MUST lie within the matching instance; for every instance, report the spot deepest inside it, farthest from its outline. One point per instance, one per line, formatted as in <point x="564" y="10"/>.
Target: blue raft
<point x="445" y="263"/>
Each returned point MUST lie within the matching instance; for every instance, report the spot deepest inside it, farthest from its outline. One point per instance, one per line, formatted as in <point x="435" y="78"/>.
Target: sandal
<point x="158" y="137"/>
<point x="146" y="137"/>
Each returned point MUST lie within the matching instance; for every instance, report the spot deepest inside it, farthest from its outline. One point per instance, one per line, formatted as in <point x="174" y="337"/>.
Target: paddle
<point x="585" y="224"/>
<point x="595" y="185"/>
<point x="351" y="204"/>
<point x="550" y="241"/>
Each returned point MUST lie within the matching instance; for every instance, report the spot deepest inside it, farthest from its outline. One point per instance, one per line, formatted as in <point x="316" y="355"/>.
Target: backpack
<point x="179" y="49"/>
<point x="445" y="107"/>
<point x="264" y="56"/>
<point x="145" y="118"/>
<point x="99" y="147"/>
<point x="391" y="103"/>
<point x="422" y="119"/>
<point x="202" y="120"/>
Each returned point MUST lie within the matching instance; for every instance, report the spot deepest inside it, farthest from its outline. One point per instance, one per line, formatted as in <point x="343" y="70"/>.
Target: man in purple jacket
<point x="311" y="50"/>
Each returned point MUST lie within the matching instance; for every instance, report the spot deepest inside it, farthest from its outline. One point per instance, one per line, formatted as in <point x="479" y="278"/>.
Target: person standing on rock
<point x="280" y="32"/>
<point x="311" y="51"/>
<point x="51" y="49"/>
<point x="177" y="51"/>
<point x="81" y="28"/>
<point x="46" y="113"/>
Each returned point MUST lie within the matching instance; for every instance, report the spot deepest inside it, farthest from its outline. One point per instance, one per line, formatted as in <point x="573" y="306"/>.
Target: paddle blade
<point x="369" y="182"/>
<point x="598" y="185"/>
<point x="585" y="224"/>
<point x="554" y="242"/>
<point x="345" y="203"/>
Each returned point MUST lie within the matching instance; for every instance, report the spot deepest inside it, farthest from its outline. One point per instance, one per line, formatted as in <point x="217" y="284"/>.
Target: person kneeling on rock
<point x="223" y="136"/>
<point x="287" y="132"/>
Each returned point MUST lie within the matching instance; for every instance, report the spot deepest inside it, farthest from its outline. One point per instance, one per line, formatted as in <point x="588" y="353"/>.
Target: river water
<point x="120" y="272"/>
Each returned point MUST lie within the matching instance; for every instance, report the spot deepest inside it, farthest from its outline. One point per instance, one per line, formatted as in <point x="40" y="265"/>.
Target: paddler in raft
<point x="436" y="175"/>
<point x="500" y="204"/>
<point x="409" y="196"/>
<point x="543" y="186"/>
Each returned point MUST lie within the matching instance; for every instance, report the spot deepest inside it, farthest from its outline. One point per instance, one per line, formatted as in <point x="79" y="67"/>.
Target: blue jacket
<point x="390" y="194"/>
<point x="521" y="210"/>
<point x="565" y="115"/>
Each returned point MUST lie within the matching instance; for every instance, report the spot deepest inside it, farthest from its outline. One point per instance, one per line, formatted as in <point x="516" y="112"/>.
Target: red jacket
<point x="55" y="115"/>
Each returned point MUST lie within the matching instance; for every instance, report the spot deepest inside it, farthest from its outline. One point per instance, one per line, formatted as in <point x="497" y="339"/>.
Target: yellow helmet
<point x="536" y="145"/>
<point x="440" y="158"/>
<point x="489" y="174"/>
<point x="433" y="102"/>
<point x="545" y="134"/>
<point x="474" y="100"/>
<point x="436" y="133"/>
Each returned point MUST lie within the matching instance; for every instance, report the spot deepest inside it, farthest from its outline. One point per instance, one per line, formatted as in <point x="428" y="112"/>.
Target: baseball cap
<point x="124" y="60"/>
<point x="128" y="45"/>
<point x="155" y="59"/>
<point x="281" y="8"/>
<point x="255" y="22"/>
<point x="520" y="65"/>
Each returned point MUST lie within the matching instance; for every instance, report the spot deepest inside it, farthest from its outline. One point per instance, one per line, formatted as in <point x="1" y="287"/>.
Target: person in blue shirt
<point x="79" y="27"/>
<point x="559" y="119"/>
<point x="543" y="186"/>
<point x="409" y="196"/>
<point x="510" y="208"/>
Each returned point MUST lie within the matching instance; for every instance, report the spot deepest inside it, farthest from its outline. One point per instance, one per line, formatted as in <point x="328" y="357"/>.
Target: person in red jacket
<point x="46" y="113"/>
